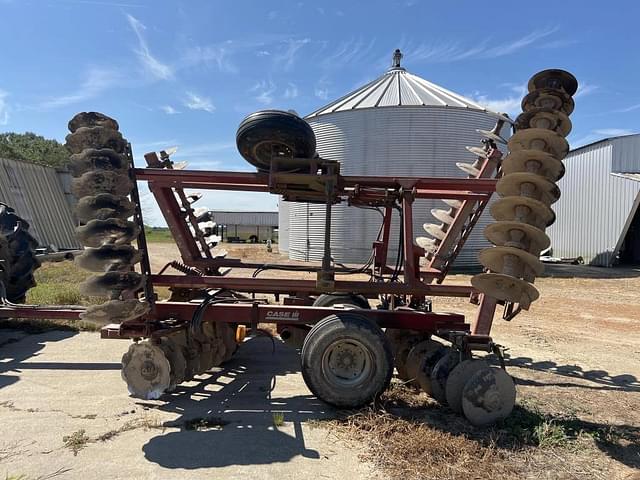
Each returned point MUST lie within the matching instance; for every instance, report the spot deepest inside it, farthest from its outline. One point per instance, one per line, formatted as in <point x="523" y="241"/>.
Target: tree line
<point x="29" y="147"/>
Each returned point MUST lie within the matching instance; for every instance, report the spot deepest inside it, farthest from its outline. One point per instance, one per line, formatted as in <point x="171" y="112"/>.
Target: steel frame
<point x="322" y="183"/>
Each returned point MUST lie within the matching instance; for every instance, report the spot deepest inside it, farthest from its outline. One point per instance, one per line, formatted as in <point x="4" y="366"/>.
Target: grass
<point x="58" y="284"/>
<point x="158" y="235"/>
<point x="205" y="423"/>
<point x="410" y="436"/>
<point x="278" y="419"/>
<point x="76" y="441"/>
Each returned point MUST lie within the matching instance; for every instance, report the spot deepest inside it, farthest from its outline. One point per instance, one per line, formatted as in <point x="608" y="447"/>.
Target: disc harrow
<point x="102" y="184"/>
<point x="527" y="189"/>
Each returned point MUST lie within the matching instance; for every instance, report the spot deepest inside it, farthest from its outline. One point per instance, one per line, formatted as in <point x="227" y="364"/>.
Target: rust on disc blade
<point x="415" y="356"/>
<point x="177" y="363"/>
<point x="97" y="159"/>
<point x="95" y="137"/>
<point x="423" y="376"/>
<point x="101" y="181"/>
<point x="92" y="119"/>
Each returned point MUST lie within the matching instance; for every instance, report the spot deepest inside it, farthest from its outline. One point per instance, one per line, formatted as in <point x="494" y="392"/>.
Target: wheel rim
<point x="347" y="362"/>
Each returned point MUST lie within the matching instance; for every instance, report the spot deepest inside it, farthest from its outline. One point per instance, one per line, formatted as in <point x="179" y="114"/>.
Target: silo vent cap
<point x="397" y="57"/>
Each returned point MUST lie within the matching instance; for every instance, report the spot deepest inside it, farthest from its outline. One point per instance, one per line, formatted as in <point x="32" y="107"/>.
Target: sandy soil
<point x="576" y="352"/>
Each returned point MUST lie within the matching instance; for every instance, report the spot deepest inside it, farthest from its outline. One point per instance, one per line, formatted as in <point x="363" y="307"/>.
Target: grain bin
<point x="398" y="124"/>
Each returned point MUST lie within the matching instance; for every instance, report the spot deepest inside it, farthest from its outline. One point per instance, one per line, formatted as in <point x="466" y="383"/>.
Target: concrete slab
<point x="57" y="383"/>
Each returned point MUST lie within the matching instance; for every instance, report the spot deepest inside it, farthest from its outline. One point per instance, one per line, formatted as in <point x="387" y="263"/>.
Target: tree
<point x="33" y="148"/>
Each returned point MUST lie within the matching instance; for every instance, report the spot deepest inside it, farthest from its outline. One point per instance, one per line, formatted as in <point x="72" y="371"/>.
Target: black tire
<point x="266" y="133"/>
<point x="17" y="251"/>
<point x="331" y="299"/>
<point x="363" y="377"/>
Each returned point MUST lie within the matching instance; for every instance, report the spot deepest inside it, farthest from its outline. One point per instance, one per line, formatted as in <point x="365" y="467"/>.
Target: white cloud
<point x="151" y="64"/>
<point x="348" y="52"/>
<point x="630" y="108"/>
<point x="453" y="51"/>
<point x="264" y="91"/>
<point x="585" y="89"/>
<point x="614" y="132"/>
<point x="263" y="53"/>
<point x="4" y="108"/>
<point x="217" y="55"/>
<point x="321" y="92"/>
<point x="96" y="81"/>
<point x="286" y="59"/>
<point x="291" y="91"/>
<point x="169" y="110"/>
<point x="198" y="102"/>
<point x="509" y="104"/>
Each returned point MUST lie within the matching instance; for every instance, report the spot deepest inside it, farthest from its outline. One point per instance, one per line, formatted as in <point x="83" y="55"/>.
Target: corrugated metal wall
<point x="37" y="194"/>
<point x="418" y="141"/>
<point x="283" y="225"/>
<point x="595" y="205"/>
<point x="626" y="154"/>
<point x="246" y="218"/>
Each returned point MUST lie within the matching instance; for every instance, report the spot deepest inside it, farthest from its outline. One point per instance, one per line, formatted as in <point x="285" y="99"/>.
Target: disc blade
<point x="518" y="235"/>
<point x="97" y="159"/>
<point x="506" y="288"/>
<point x="95" y="137"/>
<point x="146" y="371"/>
<point x="99" y="232"/>
<point x="104" y="206"/>
<point x="488" y="396"/>
<point x="108" y="258"/>
<point x="101" y="181"/>
<point x="440" y="373"/>
<point x="479" y="151"/>
<point x="91" y="119"/>
<point x="443" y="215"/>
<point x="554" y="78"/>
<point x="468" y="169"/>
<point x="115" y="311"/>
<point x="434" y="230"/>
<point x="458" y="378"/>
<point x="111" y="283"/>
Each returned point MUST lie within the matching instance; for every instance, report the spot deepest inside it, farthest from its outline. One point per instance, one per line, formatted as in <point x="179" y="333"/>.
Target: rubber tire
<point x="20" y="258"/>
<point x="276" y="128"/>
<point x="340" y="326"/>
<point x="331" y="299"/>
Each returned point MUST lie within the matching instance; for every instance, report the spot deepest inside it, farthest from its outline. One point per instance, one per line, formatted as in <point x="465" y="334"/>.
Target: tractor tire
<point x="346" y="360"/>
<point x="17" y="255"/>
<point x="330" y="299"/>
<point x="268" y="133"/>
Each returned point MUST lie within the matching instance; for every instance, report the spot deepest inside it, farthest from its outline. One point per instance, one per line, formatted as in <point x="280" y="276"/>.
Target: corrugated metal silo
<point x="399" y="124"/>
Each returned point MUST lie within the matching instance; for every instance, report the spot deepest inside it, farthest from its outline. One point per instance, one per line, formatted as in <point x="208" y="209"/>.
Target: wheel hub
<point x="347" y="362"/>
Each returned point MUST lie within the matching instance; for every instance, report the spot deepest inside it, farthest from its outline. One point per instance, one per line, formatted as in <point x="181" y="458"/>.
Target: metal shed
<point x="398" y="124"/>
<point x="38" y="195"/>
<point x="247" y="226"/>
<point x="597" y="214"/>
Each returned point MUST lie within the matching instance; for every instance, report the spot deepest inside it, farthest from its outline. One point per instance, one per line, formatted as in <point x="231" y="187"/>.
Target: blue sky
<point x="186" y="73"/>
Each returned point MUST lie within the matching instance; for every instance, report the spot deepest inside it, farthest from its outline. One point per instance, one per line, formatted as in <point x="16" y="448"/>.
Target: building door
<point x="630" y="251"/>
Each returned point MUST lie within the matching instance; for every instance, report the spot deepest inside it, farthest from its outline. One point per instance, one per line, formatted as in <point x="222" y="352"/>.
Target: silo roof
<point x="397" y="88"/>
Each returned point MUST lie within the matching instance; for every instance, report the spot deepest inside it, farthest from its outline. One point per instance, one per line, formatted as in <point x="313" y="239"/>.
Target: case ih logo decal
<point x="282" y="315"/>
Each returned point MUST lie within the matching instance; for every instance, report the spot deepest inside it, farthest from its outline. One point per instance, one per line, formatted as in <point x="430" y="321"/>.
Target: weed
<point x="278" y="419"/>
<point x="76" y="441"/>
<point x="205" y="423"/>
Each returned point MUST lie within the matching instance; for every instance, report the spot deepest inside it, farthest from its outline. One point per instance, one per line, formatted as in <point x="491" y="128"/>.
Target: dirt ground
<point x="575" y="357"/>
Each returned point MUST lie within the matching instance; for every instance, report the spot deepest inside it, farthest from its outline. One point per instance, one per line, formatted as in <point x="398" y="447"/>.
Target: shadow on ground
<point x="17" y="345"/>
<point x="587" y="271"/>
<point x="603" y="379"/>
<point x="244" y="415"/>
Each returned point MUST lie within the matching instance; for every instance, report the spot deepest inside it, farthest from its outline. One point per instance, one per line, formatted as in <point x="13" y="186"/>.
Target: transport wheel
<point x="17" y="255"/>
<point x="330" y="299"/>
<point x="440" y="373"/>
<point x="458" y="378"/>
<point x="346" y="360"/>
<point x="146" y="370"/>
<point x="488" y="396"/>
<point x="267" y="134"/>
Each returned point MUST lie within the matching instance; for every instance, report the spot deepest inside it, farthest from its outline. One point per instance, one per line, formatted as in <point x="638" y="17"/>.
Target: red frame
<point x="415" y="282"/>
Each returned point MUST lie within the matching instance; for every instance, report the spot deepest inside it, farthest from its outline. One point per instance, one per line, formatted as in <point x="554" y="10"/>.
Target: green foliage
<point x="158" y="234"/>
<point x="33" y="148"/>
